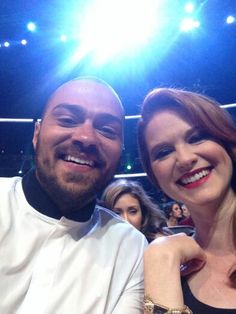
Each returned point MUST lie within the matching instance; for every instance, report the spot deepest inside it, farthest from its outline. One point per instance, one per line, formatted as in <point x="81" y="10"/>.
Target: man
<point x="59" y="252"/>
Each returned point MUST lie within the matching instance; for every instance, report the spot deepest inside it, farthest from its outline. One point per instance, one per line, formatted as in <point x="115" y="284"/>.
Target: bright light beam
<point x="189" y="24"/>
<point x="112" y="27"/>
<point x="189" y="7"/>
<point x="63" y="38"/>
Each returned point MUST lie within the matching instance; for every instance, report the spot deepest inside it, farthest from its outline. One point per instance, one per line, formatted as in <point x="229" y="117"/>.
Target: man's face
<point x="78" y="144"/>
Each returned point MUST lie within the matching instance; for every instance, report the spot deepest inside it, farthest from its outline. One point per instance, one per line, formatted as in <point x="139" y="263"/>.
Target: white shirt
<point x="50" y="266"/>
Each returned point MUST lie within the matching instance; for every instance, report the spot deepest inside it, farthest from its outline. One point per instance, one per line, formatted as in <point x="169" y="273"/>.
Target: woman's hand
<point x="164" y="260"/>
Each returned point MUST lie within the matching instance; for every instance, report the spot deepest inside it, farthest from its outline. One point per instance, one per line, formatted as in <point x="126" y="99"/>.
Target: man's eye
<point x="198" y="137"/>
<point x="67" y="121"/>
<point x="109" y="132"/>
<point x="161" y="153"/>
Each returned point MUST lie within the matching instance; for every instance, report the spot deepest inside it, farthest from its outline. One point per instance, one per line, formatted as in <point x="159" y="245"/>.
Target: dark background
<point x="202" y="61"/>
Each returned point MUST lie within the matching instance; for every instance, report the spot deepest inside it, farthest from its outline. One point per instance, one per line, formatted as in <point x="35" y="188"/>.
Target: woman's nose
<point x="185" y="158"/>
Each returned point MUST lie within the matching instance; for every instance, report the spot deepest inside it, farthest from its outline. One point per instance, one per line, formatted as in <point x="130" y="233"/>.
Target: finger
<point x="191" y="266"/>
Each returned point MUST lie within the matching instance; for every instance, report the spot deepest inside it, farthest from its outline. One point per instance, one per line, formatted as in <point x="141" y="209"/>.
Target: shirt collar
<point x="40" y="200"/>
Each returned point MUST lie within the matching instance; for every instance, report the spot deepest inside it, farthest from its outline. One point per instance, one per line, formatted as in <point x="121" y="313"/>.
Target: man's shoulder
<point x="118" y="225"/>
<point x="9" y="182"/>
<point x="108" y="213"/>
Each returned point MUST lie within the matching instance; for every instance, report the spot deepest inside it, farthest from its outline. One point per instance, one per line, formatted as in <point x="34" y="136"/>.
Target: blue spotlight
<point x="189" y="24"/>
<point x="31" y="27"/>
<point x="6" y="44"/>
<point x="23" y="42"/>
<point x="112" y="27"/>
<point x="189" y="7"/>
<point x="230" y="19"/>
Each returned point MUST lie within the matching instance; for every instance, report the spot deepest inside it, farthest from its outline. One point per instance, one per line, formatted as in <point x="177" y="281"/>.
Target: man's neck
<point x="41" y="201"/>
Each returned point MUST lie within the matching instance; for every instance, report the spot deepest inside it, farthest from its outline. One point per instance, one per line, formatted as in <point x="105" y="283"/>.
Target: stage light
<point x="6" y="44"/>
<point x="20" y="171"/>
<point x="63" y="38"/>
<point x="128" y="167"/>
<point x="189" y="24"/>
<point x="24" y="42"/>
<point x="230" y="19"/>
<point x="31" y="27"/>
<point x="111" y="28"/>
<point x="189" y="7"/>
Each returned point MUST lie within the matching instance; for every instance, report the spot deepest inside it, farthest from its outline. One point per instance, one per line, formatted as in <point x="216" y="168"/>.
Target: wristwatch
<point x="152" y="308"/>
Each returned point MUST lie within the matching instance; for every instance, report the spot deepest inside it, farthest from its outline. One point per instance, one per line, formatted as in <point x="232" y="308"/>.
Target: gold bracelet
<point x="153" y="308"/>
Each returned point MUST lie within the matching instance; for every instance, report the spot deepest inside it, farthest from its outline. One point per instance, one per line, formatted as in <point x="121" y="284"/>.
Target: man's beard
<point x="72" y="191"/>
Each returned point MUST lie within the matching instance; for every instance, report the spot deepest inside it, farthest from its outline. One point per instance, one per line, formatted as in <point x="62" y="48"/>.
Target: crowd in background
<point x="128" y="199"/>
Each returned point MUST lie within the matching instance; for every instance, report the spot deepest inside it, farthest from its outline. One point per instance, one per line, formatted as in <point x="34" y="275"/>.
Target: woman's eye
<point x="161" y="153"/>
<point x="133" y="211"/>
<point x="198" y="137"/>
<point x="117" y="211"/>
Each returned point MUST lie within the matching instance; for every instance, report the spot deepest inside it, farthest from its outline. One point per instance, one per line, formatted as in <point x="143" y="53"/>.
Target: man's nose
<point x="85" y="134"/>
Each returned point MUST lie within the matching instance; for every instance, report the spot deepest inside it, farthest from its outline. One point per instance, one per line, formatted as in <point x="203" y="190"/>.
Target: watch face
<point x="159" y="310"/>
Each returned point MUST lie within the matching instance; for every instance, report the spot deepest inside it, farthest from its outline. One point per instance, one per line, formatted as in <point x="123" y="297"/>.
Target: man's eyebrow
<point x="77" y="109"/>
<point x="108" y="117"/>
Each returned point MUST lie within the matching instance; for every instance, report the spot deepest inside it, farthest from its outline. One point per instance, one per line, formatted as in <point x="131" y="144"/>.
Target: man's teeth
<point x="79" y="161"/>
<point x="195" y="177"/>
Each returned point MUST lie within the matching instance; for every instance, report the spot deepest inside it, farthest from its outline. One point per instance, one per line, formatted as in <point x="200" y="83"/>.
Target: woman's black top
<point x="198" y="307"/>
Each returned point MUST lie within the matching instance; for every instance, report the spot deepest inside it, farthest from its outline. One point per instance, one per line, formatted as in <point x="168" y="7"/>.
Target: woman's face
<point x="176" y="211"/>
<point x="188" y="165"/>
<point x="185" y="211"/>
<point x="128" y="207"/>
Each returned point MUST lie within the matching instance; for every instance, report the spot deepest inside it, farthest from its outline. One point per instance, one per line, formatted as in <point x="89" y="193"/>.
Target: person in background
<point x="187" y="219"/>
<point x="188" y="149"/>
<point x="173" y="213"/>
<point x="185" y="211"/>
<point x="128" y="199"/>
<point x="59" y="251"/>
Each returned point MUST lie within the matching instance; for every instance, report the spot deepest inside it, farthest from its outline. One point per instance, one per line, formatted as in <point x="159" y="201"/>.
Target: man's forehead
<point x="85" y="91"/>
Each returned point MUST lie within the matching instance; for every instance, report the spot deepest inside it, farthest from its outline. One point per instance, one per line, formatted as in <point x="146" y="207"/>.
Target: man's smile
<point x="79" y="161"/>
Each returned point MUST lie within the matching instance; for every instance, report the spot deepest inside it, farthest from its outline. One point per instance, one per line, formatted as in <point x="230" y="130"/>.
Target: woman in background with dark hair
<point x="188" y="149"/>
<point x="173" y="213"/>
<point x="129" y="200"/>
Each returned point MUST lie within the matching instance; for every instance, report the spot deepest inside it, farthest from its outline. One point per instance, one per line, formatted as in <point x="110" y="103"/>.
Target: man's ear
<point x="36" y="133"/>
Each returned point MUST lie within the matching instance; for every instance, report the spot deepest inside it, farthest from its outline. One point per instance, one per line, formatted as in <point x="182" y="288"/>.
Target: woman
<point x="188" y="149"/>
<point x="187" y="219"/>
<point x="129" y="200"/>
<point x="173" y="213"/>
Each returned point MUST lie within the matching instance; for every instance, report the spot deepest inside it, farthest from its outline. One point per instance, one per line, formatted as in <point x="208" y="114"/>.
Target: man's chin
<point x="81" y="186"/>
